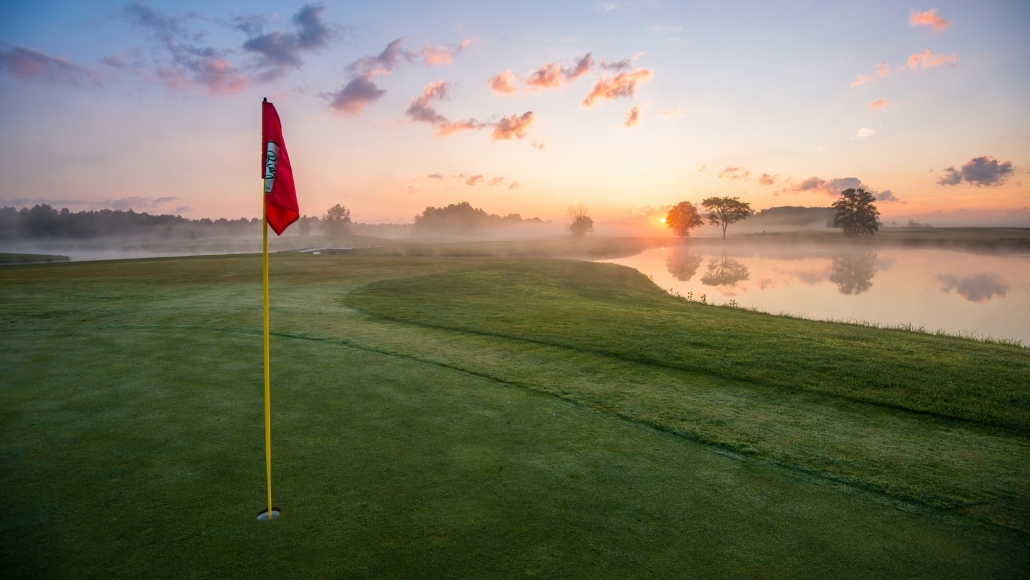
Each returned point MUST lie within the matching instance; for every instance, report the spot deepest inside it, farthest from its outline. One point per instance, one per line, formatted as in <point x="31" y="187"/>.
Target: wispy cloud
<point x="514" y="185"/>
<point x="732" y="172"/>
<point x="495" y="181"/>
<point x="422" y="110"/>
<point x="668" y="33"/>
<point x="280" y="51"/>
<point x="441" y="55"/>
<point x="474" y="180"/>
<point x="620" y="65"/>
<point x="360" y="90"/>
<point x="622" y="85"/>
<point x="632" y="117"/>
<point x="582" y="67"/>
<point x="188" y="63"/>
<point x="883" y="69"/>
<point x="880" y="103"/>
<point x="766" y="179"/>
<point x="979" y="171"/>
<point x="863" y="133"/>
<point x="927" y="59"/>
<point x="831" y="187"/>
<point x="33" y="65"/>
<point x="927" y="18"/>
<point x="861" y="80"/>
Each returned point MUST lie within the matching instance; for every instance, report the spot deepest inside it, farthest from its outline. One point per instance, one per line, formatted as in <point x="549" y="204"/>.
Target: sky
<point x="626" y="107"/>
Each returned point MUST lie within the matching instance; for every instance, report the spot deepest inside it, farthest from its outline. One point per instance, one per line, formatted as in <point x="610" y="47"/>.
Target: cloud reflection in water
<point x="974" y="288"/>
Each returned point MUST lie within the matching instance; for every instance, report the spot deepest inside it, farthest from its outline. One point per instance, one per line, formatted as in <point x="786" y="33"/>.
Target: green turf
<point x="130" y="436"/>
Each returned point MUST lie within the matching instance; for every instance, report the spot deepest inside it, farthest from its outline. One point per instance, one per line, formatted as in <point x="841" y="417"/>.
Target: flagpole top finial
<point x="264" y="100"/>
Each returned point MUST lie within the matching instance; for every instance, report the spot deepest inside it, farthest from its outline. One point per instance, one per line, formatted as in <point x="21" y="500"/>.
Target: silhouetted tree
<point x="725" y="272"/>
<point x="581" y="223"/>
<point x="682" y="218"/>
<point x="725" y="211"/>
<point x="855" y="213"/>
<point x="337" y="220"/>
<point x="853" y="273"/>
<point x="682" y="264"/>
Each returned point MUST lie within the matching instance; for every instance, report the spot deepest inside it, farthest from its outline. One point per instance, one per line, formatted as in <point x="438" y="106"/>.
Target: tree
<point x="855" y="213"/>
<point x="581" y="223"/>
<point x="682" y="218"/>
<point x="337" y="220"/>
<point x="725" y="211"/>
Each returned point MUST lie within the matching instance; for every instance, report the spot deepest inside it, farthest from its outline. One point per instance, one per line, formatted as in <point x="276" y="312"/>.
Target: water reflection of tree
<point x="725" y="272"/>
<point x="682" y="264"/>
<point x="853" y="273"/>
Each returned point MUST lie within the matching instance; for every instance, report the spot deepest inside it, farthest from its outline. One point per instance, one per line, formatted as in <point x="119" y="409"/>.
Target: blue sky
<point x="155" y="106"/>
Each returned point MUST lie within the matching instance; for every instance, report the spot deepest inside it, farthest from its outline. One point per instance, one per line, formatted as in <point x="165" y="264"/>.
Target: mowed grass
<point x="615" y="310"/>
<point x="131" y="422"/>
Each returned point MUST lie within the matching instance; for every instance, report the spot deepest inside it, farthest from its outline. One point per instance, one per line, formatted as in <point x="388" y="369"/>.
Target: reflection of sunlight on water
<point x="988" y="295"/>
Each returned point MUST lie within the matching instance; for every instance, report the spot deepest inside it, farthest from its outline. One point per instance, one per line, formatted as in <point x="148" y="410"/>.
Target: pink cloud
<point x="220" y="77"/>
<point x="514" y="185"/>
<point x="879" y="104"/>
<point x="861" y="80"/>
<point x="28" y="64"/>
<point x="766" y="179"/>
<point x="883" y="69"/>
<point x="437" y="56"/>
<point x="928" y="59"/>
<point x="513" y="126"/>
<point x="495" y="181"/>
<point x="474" y="180"/>
<point x="927" y="18"/>
<point x="548" y="77"/>
<point x="449" y="128"/>
<point x="632" y="117"/>
<point x="622" y="85"/>
<point x="504" y="83"/>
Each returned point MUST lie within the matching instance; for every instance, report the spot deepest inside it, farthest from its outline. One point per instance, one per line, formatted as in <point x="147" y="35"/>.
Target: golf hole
<point x="263" y="516"/>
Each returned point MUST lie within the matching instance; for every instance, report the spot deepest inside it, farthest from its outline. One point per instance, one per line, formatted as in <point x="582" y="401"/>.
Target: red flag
<point x="280" y="194"/>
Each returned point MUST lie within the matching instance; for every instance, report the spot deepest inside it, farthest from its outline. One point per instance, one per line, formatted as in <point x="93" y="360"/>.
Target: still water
<point x="959" y="292"/>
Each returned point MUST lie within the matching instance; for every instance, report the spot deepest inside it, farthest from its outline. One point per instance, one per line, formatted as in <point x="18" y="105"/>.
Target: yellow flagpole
<point x="268" y="376"/>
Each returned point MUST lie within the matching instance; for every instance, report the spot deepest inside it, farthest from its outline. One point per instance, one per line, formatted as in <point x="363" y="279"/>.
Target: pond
<point x="983" y="295"/>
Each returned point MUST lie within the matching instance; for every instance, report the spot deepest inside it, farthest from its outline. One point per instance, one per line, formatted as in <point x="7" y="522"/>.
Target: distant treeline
<point x="45" y="222"/>
<point x="461" y="219"/>
<point x="793" y="216"/>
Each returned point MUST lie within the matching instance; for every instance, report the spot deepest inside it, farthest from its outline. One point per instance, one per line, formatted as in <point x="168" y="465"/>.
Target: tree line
<point x="854" y="213"/>
<point x="44" y="222"/>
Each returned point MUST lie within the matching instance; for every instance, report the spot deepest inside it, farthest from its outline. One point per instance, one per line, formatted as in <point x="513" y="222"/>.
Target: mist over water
<point x="959" y="292"/>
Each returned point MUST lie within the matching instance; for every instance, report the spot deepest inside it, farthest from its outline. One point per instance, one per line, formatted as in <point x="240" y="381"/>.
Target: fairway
<point x="479" y="417"/>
